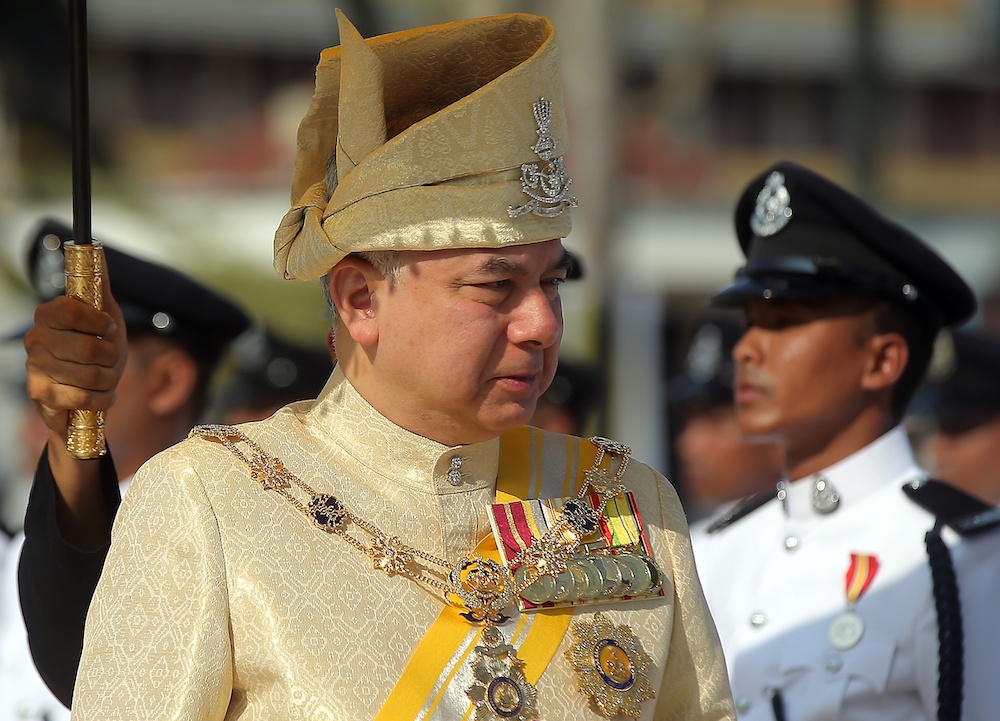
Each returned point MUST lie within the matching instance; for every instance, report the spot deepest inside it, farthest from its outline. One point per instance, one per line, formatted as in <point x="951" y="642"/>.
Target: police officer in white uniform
<point x="825" y="598"/>
<point x="714" y="466"/>
<point x="177" y="333"/>
<point x="958" y="409"/>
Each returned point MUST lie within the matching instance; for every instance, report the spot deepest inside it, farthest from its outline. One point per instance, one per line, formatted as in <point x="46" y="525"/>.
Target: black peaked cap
<point x="153" y="298"/>
<point x="707" y="378"/>
<point x="270" y="371"/>
<point x="806" y="237"/>
<point x="962" y="388"/>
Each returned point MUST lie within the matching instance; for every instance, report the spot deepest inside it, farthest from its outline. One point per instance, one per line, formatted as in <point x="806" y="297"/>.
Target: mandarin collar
<point x="342" y="416"/>
<point x="886" y="461"/>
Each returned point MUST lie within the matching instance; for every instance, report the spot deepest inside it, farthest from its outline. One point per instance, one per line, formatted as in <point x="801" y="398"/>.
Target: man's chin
<point x="509" y="415"/>
<point x="757" y="430"/>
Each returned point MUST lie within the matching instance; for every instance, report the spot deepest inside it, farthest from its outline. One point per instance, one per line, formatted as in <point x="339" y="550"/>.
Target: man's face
<point x="716" y="464"/>
<point x="799" y="367"/>
<point x="969" y="458"/>
<point x="468" y="340"/>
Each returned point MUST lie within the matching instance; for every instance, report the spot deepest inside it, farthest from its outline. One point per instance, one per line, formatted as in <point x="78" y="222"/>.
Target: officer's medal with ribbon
<point x="848" y="627"/>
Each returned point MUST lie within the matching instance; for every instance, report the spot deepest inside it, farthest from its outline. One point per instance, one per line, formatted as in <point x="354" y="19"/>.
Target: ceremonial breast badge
<point x="611" y="666"/>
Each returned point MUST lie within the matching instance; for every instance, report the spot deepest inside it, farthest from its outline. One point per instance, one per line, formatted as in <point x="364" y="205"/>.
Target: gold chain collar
<point x="483" y="587"/>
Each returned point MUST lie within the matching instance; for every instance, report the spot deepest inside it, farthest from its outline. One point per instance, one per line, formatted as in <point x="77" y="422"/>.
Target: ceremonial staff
<point x="83" y="255"/>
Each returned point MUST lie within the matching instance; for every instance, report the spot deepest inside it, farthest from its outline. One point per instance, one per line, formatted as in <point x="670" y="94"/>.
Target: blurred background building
<point x="674" y="105"/>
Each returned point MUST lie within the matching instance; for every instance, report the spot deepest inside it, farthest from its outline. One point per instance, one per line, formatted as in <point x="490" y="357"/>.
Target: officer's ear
<point x="888" y="358"/>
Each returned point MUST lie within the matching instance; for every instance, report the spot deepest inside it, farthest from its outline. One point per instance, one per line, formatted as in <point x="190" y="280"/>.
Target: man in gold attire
<point x="336" y="561"/>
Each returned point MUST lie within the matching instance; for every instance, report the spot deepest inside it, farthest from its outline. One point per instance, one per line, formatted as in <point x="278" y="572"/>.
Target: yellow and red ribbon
<point x="860" y="575"/>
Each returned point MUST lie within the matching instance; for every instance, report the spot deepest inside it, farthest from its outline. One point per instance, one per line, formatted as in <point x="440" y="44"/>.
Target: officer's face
<point x="469" y="339"/>
<point x="799" y="369"/>
<point x="716" y="464"/>
<point x="969" y="458"/>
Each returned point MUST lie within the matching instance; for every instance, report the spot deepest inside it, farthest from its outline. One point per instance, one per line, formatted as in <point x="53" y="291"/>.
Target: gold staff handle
<point x="85" y="431"/>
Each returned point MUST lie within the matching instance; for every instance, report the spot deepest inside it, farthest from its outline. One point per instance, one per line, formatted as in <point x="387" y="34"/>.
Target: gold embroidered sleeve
<point x="695" y="682"/>
<point x="157" y="643"/>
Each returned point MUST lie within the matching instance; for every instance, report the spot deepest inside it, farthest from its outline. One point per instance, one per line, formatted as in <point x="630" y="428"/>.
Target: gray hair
<point x="388" y="263"/>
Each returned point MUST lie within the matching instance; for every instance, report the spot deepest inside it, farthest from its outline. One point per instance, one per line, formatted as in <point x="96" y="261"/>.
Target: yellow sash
<point x="425" y="686"/>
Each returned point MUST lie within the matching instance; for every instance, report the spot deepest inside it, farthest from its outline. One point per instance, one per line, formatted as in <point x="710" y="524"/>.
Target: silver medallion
<point x="846" y="630"/>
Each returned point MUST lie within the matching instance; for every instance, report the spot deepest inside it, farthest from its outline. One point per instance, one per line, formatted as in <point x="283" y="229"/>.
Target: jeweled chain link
<point x="272" y="475"/>
<point x="546" y="556"/>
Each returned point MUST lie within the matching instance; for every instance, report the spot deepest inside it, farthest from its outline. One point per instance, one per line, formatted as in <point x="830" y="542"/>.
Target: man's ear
<point x="353" y="287"/>
<point x="171" y="377"/>
<point x="890" y="354"/>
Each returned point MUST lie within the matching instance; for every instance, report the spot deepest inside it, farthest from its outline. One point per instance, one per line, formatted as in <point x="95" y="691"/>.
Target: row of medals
<point x="593" y="577"/>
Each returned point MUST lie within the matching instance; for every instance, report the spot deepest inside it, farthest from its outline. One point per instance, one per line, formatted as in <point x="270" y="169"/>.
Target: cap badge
<point x="773" y="209"/>
<point x="943" y="359"/>
<point x="705" y="357"/>
<point x="545" y="183"/>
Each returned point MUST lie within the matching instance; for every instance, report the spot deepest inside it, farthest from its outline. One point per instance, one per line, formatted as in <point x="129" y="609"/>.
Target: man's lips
<point x="747" y="389"/>
<point x="520" y="379"/>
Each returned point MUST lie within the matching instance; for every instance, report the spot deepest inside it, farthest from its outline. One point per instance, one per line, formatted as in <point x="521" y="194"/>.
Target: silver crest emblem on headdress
<point x="546" y="183"/>
<point x="773" y="209"/>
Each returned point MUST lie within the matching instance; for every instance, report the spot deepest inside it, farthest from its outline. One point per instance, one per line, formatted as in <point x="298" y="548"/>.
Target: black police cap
<point x="576" y="386"/>
<point x="153" y="298"/>
<point x="575" y="269"/>
<point x="268" y="371"/>
<point x="962" y="389"/>
<point x="707" y="379"/>
<point x="806" y="237"/>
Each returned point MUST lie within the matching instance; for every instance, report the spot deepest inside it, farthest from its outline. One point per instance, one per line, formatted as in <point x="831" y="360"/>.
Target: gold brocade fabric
<point x="219" y="600"/>
<point x="447" y="180"/>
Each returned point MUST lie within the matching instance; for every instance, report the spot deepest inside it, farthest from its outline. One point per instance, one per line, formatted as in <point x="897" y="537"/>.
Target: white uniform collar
<point x="885" y="461"/>
<point x="345" y="418"/>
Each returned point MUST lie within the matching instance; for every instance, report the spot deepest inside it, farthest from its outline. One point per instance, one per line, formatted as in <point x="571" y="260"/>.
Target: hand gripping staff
<point x="83" y="255"/>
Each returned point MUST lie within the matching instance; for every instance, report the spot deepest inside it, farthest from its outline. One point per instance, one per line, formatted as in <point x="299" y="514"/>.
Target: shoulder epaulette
<point x="743" y="508"/>
<point x="965" y="514"/>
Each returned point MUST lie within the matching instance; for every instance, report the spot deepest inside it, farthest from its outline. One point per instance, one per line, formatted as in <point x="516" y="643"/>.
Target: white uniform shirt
<point x="23" y="694"/>
<point x="775" y="580"/>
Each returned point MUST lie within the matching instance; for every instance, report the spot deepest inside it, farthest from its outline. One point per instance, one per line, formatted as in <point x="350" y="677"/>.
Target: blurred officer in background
<point x="714" y="464"/>
<point x="267" y="373"/>
<point x="961" y="404"/>
<point x="824" y="597"/>
<point x="172" y="332"/>
<point x="572" y="404"/>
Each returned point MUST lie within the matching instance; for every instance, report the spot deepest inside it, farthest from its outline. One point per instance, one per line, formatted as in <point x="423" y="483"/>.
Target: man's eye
<point x="494" y="285"/>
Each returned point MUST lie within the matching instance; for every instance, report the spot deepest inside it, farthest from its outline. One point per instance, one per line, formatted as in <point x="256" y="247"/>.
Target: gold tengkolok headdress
<point x="481" y="166"/>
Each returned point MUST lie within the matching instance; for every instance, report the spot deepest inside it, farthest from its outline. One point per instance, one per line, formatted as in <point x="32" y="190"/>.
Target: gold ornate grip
<point x="83" y="281"/>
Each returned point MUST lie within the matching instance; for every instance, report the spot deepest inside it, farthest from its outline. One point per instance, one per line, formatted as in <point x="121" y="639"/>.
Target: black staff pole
<point x="83" y="255"/>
